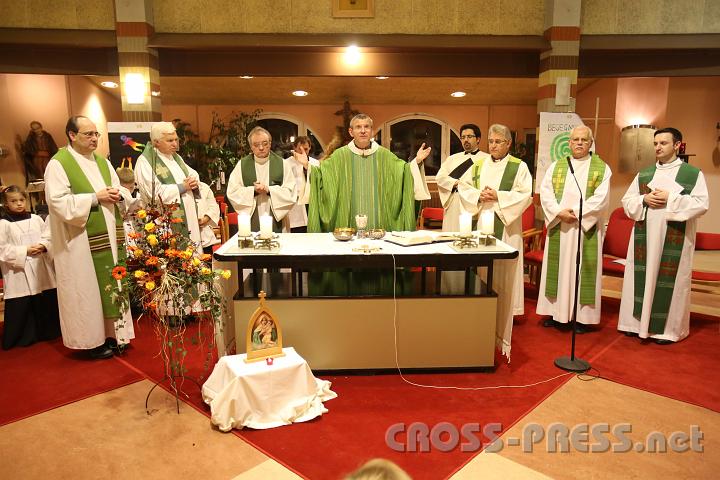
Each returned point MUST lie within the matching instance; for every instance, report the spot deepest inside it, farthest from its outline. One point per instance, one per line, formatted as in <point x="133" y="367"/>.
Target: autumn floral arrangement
<point x="170" y="278"/>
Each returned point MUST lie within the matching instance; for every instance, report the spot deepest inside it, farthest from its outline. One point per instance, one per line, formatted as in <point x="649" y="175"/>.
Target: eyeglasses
<point x="91" y="134"/>
<point x="496" y="142"/>
<point x="580" y="140"/>
<point x="261" y="144"/>
<point x="467" y="137"/>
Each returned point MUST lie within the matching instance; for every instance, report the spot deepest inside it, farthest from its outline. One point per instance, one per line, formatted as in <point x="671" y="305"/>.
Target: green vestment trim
<point x="589" y="258"/>
<point x="506" y="184"/>
<point x="336" y="192"/>
<point x="96" y="228"/>
<point x="166" y="178"/>
<point x="249" y="175"/>
<point x="672" y="251"/>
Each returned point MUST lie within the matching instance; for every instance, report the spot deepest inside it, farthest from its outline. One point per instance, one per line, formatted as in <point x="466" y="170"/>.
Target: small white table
<point x="261" y="395"/>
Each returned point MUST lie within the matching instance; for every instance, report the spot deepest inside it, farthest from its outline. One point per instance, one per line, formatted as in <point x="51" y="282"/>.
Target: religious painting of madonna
<point x="264" y="335"/>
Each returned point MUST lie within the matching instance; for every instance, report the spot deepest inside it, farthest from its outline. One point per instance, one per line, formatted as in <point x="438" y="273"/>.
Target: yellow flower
<point x="226" y="274"/>
<point x="150" y="227"/>
<point x="196" y="261"/>
<point x="150" y="285"/>
<point x="205" y="271"/>
<point x="138" y="253"/>
<point x="185" y="254"/>
<point x="139" y="274"/>
<point x="141" y="214"/>
<point x="152" y="239"/>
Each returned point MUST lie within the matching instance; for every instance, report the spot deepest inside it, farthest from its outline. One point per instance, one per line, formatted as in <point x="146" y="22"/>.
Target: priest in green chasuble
<point x="365" y="178"/>
<point x="665" y="200"/>
<point x="262" y="183"/>
<point x="560" y="200"/>
<point x="502" y="184"/>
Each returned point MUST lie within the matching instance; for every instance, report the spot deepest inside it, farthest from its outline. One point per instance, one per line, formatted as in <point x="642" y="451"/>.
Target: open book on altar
<point x="419" y="237"/>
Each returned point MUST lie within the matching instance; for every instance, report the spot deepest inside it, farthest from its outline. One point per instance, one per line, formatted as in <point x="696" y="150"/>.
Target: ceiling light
<point x="109" y="84"/>
<point x="458" y="94"/>
<point x="155" y="93"/>
<point x="352" y="55"/>
<point x="246" y="77"/>
<point x="135" y="88"/>
<point x="300" y="93"/>
<point x="382" y="78"/>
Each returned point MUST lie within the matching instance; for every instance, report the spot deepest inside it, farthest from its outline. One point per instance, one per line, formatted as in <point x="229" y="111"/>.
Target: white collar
<point x="261" y="161"/>
<point x="77" y="154"/>
<point x="366" y="152"/>
<point x="501" y="159"/>
<point x="675" y="163"/>
<point x="586" y="157"/>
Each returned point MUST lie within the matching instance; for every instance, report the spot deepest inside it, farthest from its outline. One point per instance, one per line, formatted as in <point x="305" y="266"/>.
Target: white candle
<point x="361" y="221"/>
<point x="266" y="226"/>
<point x="244" y="225"/>
<point x="487" y="222"/>
<point x="465" y="223"/>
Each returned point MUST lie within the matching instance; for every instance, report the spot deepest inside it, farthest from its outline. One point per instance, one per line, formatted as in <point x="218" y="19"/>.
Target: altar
<point x="419" y="307"/>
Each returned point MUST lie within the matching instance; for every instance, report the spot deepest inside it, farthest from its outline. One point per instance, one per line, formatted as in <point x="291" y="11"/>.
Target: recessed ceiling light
<point x="300" y="93"/>
<point x="109" y="84"/>
<point x="382" y="78"/>
<point x="352" y="55"/>
<point x="246" y="77"/>
<point x="458" y="94"/>
<point x="155" y="93"/>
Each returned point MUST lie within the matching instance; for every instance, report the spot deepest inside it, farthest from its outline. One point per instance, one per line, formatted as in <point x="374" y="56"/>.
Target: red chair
<point x="617" y="240"/>
<point x="707" y="241"/>
<point x="533" y="256"/>
<point x="430" y="217"/>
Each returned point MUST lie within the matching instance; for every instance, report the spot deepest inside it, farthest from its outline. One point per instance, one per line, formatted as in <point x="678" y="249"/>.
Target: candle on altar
<point x="465" y="224"/>
<point x="487" y="222"/>
<point x="244" y="225"/>
<point x="266" y="226"/>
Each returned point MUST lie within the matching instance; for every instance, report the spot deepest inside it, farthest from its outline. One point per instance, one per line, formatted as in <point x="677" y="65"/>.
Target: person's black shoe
<point x="111" y="343"/>
<point x="630" y="334"/>
<point x="581" y="328"/>
<point x="98" y="353"/>
<point x="549" y="322"/>
<point x="662" y="341"/>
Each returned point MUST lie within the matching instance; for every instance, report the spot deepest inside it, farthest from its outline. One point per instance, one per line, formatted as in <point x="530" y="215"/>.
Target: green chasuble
<point x="346" y="184"/>
<point x="674" y="241"/>
<point x="589" y="258"/>
<point x="96" y="228"/>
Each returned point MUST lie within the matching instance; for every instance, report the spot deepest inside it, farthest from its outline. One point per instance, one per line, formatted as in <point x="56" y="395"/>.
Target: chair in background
<point x="430" y="218"/>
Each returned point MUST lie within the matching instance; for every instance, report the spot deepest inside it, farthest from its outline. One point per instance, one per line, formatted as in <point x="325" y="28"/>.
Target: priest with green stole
<point x="363" y="178"/>
<point x="162" y="176"/>
<point x="665" y="200"/>
<point x="501" y="184"/>
<point x="560" y="200"/>
<point x="262" y="183"/>
<point x="84" y="203"/>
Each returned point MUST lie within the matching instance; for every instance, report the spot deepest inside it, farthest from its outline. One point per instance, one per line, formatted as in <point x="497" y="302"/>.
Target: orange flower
<point x="119" y="272"/>
<point x="205" y="257"/>
<point x="177" y="220"/>
<point x="151" y="261"/>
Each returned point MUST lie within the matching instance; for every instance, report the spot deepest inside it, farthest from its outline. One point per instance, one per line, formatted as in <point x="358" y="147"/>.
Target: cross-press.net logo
<point x="554" y="438"/>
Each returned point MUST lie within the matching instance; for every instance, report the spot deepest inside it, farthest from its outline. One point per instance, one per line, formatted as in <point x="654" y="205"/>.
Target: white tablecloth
<point x="258" y="395"/>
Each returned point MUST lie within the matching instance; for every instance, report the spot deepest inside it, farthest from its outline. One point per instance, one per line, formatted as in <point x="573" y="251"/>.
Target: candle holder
<point x="487" y="240"/>
<point x="269" y="243"/>
<point x="245" y="242"/>
<point x="466" y="240"/>
<point x="361" y="223"/>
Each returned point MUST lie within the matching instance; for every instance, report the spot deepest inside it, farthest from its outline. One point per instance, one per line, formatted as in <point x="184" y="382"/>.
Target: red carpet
<point x="47" y="375"/>
<point x="354" y="429"/>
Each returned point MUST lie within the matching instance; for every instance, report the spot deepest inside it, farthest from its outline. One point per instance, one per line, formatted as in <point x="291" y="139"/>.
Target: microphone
<point x="572" y="170"/>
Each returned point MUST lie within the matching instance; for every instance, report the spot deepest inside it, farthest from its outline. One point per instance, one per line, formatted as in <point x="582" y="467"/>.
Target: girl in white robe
<point x="31" y="310"/>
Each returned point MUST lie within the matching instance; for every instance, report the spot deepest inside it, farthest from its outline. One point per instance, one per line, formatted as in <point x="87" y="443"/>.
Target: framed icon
<point x="264" y="334"/>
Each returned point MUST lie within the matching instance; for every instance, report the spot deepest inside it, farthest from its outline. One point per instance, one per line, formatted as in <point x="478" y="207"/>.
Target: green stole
<point x="249" y="176"/>
<point x="96" y="228"/>
<point x="334" y="190"/>
<point x="589" y="260"/>
<point x="165" y="176"/>
<point x="506" y="184"/>
<point x="672" y="250"/>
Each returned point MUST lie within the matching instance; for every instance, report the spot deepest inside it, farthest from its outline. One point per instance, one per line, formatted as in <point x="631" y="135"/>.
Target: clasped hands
<point x="488" y="194"/>
<point x="261" y="188"/>
<point x="656" y="199"/>
<point x="36" y="249"/>
<point x="108" y="195"/>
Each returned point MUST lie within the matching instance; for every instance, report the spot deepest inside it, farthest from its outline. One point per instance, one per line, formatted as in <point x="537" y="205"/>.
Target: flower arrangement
<point x="169" y="277"/>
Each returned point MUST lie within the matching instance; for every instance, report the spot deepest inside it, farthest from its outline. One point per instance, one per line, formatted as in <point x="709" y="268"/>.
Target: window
<point x="409" y="132"/>
<point x="285" y="129"/>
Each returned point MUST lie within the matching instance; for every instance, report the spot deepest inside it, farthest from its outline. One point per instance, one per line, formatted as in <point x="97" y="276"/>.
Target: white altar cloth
<point x="260" y="396"/>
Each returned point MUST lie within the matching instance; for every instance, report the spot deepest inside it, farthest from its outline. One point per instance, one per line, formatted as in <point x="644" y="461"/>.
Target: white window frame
<point x="302" y="126"/>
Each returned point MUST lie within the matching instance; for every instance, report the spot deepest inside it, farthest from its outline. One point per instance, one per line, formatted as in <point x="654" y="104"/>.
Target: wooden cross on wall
<point x="347" y="114"/>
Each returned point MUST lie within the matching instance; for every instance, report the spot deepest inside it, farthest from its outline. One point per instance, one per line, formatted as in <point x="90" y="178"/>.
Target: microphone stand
<point x="571" y="363"/>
